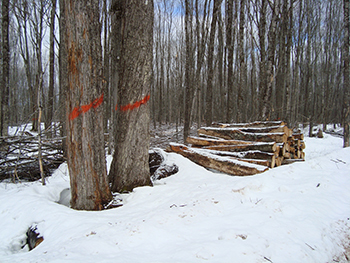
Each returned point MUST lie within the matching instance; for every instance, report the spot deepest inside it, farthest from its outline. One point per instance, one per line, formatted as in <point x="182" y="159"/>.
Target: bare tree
<point x="4" y="118"/>
<point x="346" y="72"/>
<point x="85" y="139"/>
<point x="229" y="46"/>
<point x="63" y="73"/>
<point x="50" y="99"/>
<point x="129" y="168"/>
<point x="188" y="67"/>
<point x="209" y="95"/>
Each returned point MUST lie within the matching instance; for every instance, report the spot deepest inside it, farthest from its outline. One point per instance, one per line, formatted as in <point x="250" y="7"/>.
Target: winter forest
<point x="101" y="104"/>
<point x="212" y="61"/>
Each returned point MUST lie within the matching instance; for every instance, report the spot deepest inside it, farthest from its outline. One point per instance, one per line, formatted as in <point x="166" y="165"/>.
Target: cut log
<point x="289" y="161"/>
<point x="271" y="129"/>
<point x="252" y="155"/>
<point x="298" y="136"/>
<point x="237" y="134"/>
<point x="197" y="141"/>
<point x="209" y="137"/>
<point x="265" y="147"/>
<point x="256" y="161"/>
<point x="279" y="161"/>
<point x="222" y="164"/>
<point x="251" y="124"/>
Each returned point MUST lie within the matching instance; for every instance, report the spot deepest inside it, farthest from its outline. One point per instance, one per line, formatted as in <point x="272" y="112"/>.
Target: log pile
<point x="244" y="148"/>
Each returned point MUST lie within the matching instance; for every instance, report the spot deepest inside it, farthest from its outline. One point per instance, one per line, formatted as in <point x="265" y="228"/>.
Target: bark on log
<point x="237" y="134"/>
<point x="267" y="163"/>
<point x="289" y="161"/>
<point x="298" y="136"/>
<point x="251" y="124"/>
<point x="197" y="141"/>
<point x="221" y="164"/>
<point x="271" y="129"/>
<point x="265" y="147"/>
<point x="248" y="154"/>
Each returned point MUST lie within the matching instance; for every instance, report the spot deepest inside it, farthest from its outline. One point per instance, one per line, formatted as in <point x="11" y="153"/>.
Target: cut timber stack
<point x="243" y="148"/>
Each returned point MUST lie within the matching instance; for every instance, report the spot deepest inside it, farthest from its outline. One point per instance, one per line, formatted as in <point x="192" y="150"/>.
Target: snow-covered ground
<point x="293" y="213"/>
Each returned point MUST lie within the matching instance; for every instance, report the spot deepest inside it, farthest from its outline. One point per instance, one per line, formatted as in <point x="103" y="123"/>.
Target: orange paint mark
<point x="134" y="105"/>
<point x="84" y="108"/>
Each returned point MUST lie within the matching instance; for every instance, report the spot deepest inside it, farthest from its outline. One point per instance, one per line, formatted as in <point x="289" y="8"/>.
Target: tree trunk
<point x="63" y="73"/>
<point x="5" y="70"/>
<point x="50" y="99"/>
<point x="86" y="155"/>
<point x="188" y="68"/>
<point x="241" y="80"/>
<point x="346" y="72"/>
<point x="267" y="92"/>
<point x="209" y="96"/>
<point x="130" y="168"/>
<point x="229" y="46"/>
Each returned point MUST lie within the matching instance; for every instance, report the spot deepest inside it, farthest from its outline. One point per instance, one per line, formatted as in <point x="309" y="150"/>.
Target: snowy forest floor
<point x="294" y="213"/>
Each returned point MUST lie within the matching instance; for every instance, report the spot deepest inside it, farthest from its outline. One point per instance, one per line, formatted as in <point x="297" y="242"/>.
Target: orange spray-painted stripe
<point x="134" y="105"/>
<point x="84" y="108"/>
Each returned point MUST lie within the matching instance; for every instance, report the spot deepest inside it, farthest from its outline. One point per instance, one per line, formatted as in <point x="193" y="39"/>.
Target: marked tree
<point x="129" y="168"/>
<point x="86" y="154"/>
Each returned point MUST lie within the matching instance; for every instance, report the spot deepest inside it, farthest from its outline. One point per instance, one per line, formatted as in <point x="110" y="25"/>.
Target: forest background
<point x="213" y="60"/>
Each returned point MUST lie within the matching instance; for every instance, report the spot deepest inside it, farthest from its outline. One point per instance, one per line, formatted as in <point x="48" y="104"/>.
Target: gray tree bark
<point x="86" y="155"/>
<point x="209" y="96"/>
<point x="5" y="69"/>
<point x="229" y="46"/>
<point x="129" y="168"/>
<point x="50" y="99"/>
<point x="346" y="76"/>
<point x="188" y="67"/>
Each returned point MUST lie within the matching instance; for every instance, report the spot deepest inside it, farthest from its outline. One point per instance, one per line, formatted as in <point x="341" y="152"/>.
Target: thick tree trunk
<point x="130" y="168"/>
<point x="86" y="155"/>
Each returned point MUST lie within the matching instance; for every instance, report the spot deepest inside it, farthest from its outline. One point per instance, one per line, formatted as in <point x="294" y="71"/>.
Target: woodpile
<point x="243" y="148"/>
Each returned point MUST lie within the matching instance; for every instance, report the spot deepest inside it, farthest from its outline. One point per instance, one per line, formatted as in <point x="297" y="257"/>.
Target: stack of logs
<point x="244" y="148"/>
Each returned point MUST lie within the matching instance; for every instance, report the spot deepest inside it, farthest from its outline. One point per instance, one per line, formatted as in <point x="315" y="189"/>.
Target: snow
<point x="294" y="213"/>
